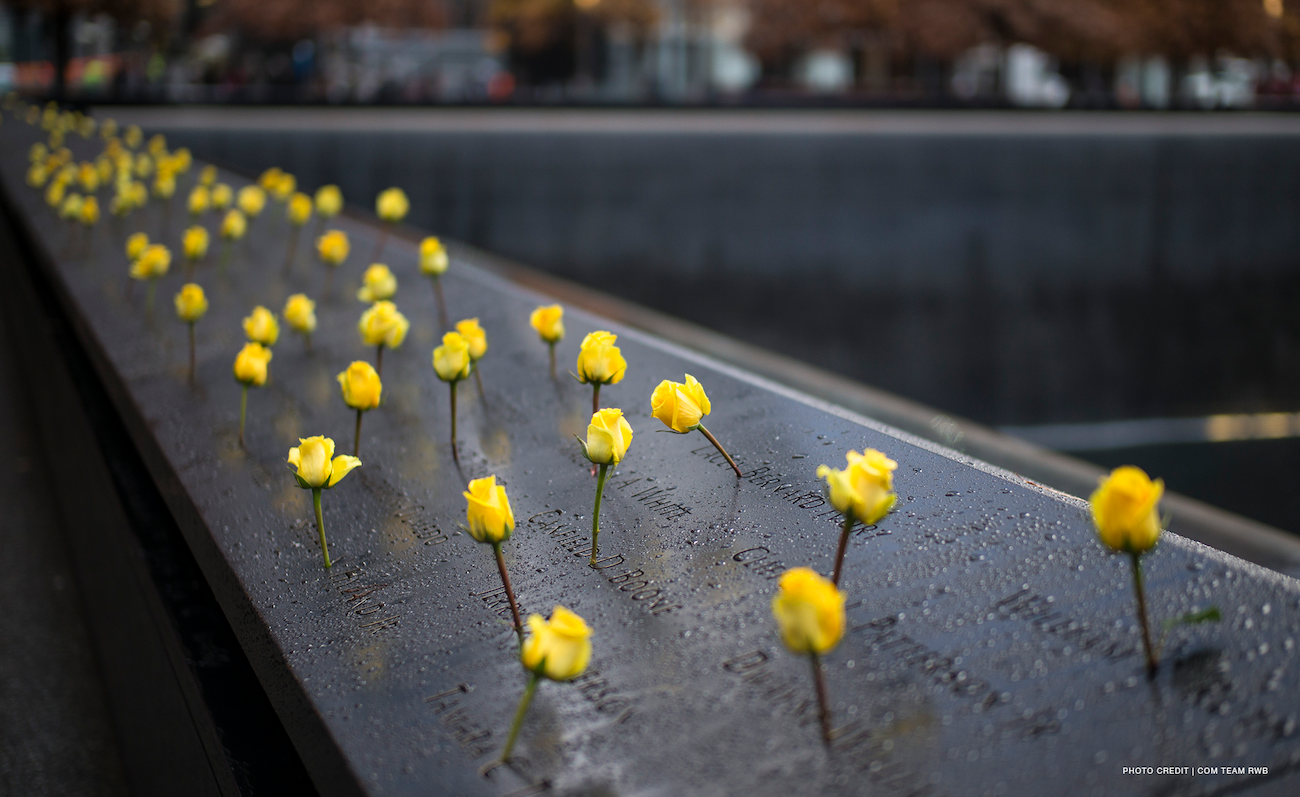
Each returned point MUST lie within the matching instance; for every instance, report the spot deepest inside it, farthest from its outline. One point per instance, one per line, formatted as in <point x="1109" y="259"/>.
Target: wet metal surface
<point x="991" y="647"/>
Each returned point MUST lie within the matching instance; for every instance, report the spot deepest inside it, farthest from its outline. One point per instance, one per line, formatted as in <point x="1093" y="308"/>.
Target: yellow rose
<point x="54" y="194"/>
<point x="474" y="336"/>
<point x="37" y="174"/>
<point x="680" y="406"/>
<point x="383" y="325"/>
<point x="207" y="176"/>
<point x="262" y="326"/>
<point x="809" y="610"/>
<point x="379" y="284"/>
<point x="157" y="144"/>
<point x="284" y="187"/>
<point x="600" y="361"/>
<point x="329" y="201"/>
<point x="299" y="209"/>
<point x="1124" y="508"/>
<point x="317" y="467"/>
<point x="864" y="490"/>
<point x="269" y="178"/>
<point x="135" y="244"/>
<point x="251" y="199"/>
<point x="152" y="263"/>
<point x="71" y="207"/>
<point x="221" y="196"/>
<point x="195" y="242"/>
<point x="104" y="166"/>
<point x="182" y="160"/>
<point x="108" y="128"/>
<point x="488" y="511"/>
<point x="361" y="386"/>
<point x="88" y="177"/>
<point x="608" y="437"/>
<point x="300" y="313"/>
<point x="251" y="364"/>
<point x="558" y="649"/>
<point x="191" y="303"/>
<point x="549" y="322"/>
<point x="392" y="205"/>
<point x="433" y="257"/>
<point x="333" y="247"/>
<point x="132" y="136"/>
<point x="164" y="185"/>
<point x="37" y="152"/>
<point x="234" y="225"/>
<point x="143" y="166"/>
<point x="451" y="360"/>
<point x="89" y="213"/>
<point x="139" y="195"/>
<point x="200" y="200"/>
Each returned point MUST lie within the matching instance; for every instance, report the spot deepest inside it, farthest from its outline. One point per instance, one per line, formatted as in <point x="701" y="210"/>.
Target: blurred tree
<point x="543" y="36"/>
<point x="287" y="20"/>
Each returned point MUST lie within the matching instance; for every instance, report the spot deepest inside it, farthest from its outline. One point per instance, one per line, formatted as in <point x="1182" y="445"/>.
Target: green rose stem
<point x="356" y="439"/>
<point x="551" y="346"/>
<point x="192" y="358"/>
<point x="478" y="380"/>
<point x="595" y="513"/>
<point x="293" y="250"/>
<point x="721" y="450"/>
<point x="243" y="412"/>
<point x="379" y="359"/>
<point x="524" y="702"/>
<point x="844" y="544"/>
<point x="595" y="397"/>
<point x="148" y="299"/>
<point x="225" y="258"/>
<point x="442" y="305"/>
<point x="379" y="244"/>
<point x="329" y="281"/>
<point x="320" y="525"/>
<point x="1152" y="662"/>
<point x="455" y="455"/>
<point x="824" y="710"/>
<point x="510" y="591"/>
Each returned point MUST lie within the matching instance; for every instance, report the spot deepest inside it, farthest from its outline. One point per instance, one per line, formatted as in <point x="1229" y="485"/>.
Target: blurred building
<point x="1036" y="53"/>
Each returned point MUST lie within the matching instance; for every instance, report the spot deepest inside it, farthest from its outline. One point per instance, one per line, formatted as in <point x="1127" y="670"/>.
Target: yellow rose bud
<point x="135" y="244"/>
<point x="182" y="160"/>
<point x="433" y="257"/>
<point x="863" y="490"/>
<point x="451" y="360"/>
<point x="317" y="467"/>
<point x="488" y="511"/>
<point x="139" y="195"/>
<point x="143" y="166"/>
<point x="680" y="406"/>
<point x="474" y="336"/>
<point x="299" y="210"/>
<point x="37" y="174"/>
<point x="333" y="247"/>
<point x="208" y="176"/>
<point x="262" y="326"/>
<point x="164" y="185"/>
<point x="329" y="201"/>
<point x="157" y="144"/>
<point x="191" y="303"/>
<point x="379" y="284"/>
<point x="269" y="178"/>
<point x="251" y="364"/>
<point x="221" y="196"/>
<point x="152" y="263"/>
<point x="104" y="167"/>
<point x="558" y="649"/>
<point x="195" y="242"/>
<point x="549" y="322"/>
<point x="1124" y="508"/>
<point x="71" y="207"/>
<point x="108" y="128"/>
<point x="300" y="313"/>
<point x="809" y="610"/>
<point x="600" y="361"/>
<point x="54" y="194"/>
<point x="361" y="386"/>
<point x="132" y="136"/>
<point x="383" y="325"/>
<point x="392" y="205"/>
<point x="89" y="214"/>
<point x="37" y="152"/>
<point x="608" y="437"/>
<point x="284" y="187"/>
<point x="234" y="225"/>
<point x="251" y="200"/>
<point x="200" y="200"/>
<point x="88" y="177"/>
